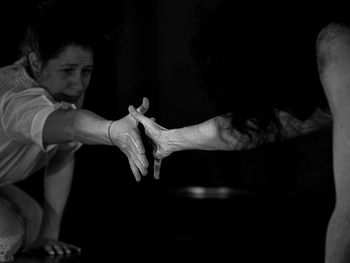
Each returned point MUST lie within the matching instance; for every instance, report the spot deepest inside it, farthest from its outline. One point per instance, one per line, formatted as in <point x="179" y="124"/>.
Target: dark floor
<point x="166" y="226"/>
<point x="281" y="219"/>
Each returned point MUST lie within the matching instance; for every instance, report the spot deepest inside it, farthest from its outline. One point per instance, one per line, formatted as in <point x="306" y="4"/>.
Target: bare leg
<point x="27" y="207"/>
<point x="333" y="48"/>
<point x="11" y="230"/>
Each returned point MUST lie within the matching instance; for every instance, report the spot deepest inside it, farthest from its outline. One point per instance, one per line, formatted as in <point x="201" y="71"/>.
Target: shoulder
<point x="15" y="79"/>
<point x="15" y="67"/>
<point x="16" y="74"/>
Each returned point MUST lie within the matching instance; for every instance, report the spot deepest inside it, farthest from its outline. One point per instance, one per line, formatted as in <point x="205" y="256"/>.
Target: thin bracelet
<point x="109" y="132"/>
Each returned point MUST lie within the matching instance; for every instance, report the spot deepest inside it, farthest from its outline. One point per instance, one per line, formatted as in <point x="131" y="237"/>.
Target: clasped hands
<point x="126" y="136"/>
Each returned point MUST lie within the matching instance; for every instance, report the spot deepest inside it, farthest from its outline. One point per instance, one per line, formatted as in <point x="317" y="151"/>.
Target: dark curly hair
<point x="253" y="62"/>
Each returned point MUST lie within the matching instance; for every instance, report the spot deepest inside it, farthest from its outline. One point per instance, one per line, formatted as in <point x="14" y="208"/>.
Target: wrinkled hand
<point x="125" y="134"/>
<point x="159" y="137"/>
<point x="52" y="247"/>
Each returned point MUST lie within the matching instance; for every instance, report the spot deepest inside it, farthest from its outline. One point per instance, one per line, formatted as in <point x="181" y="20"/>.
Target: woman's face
<point x="67" y="76"/>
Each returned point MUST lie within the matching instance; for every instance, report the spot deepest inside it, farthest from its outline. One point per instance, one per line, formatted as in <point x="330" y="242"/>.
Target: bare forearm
<point x="57" y="188"/>
<point x="76" y="125"/>
<point x="211" y="135"/>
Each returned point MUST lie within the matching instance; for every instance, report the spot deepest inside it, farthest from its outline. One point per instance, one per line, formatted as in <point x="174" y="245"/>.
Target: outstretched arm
<point x="218" y="134"/>
<point x="333" y="47"/>
<point x="213" y="134"/>
<point x="64" y="126"/>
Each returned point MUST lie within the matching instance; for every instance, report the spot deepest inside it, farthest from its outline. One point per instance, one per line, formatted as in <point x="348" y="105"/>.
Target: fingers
<point x="128" y="140"/>
<point x="134" y="170"/>
<point x="140" y="161"/>
<point x="58" y="250"/>
<point x="156" y="168"/>
<point x="49" y="249"/>
<point x="136" y="143"/>
<point x="146" y="122"/>
<point x="61" y="249"/>
<point x="137" y="158"/>
<point x="144" y="107"/>
<point x="137" y="153"/>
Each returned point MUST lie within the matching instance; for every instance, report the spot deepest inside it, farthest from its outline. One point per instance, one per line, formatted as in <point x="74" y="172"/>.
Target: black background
<point x="291" y="182"/>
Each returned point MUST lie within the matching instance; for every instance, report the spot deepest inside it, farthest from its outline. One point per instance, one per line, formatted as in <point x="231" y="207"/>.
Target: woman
<point x="42" y="124"/>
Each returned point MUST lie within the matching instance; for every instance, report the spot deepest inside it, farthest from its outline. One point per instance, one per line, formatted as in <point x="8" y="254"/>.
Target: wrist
<point x="49" y="234"/>
<point x="89" y="128"/>
<point x="203" y="136"/>
<point x="109" y="133"/>
<point x="50" y="224"/>
<point x="177" y="141"/>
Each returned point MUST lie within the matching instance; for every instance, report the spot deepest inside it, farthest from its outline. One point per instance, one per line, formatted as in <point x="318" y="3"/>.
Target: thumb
<point x="133" y="112"/>
<point x="144" y="107"/>
<point x="148" y="123"/>
<point x="137" y="115"/>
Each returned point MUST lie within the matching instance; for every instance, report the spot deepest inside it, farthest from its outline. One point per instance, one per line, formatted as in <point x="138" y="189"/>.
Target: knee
<point x="332" y="37"/>
<point x="11" y="231"/>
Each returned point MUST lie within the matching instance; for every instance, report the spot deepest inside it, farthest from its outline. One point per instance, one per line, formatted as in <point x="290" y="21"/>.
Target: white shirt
<point x="24" y="108"/>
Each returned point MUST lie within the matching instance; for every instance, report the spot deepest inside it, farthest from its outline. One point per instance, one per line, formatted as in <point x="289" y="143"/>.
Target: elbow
<point x="61" y="127"/>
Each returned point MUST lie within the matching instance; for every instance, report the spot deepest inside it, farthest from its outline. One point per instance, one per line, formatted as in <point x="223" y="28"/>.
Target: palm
<point x="125" y="135"/>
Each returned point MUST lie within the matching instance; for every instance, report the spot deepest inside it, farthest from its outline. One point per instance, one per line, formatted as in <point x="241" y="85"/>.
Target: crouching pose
<point x="42" y="124"/>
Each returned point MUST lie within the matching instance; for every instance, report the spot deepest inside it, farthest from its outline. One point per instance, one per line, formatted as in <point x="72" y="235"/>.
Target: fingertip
<point x="131" y="108"/>
<point x="156" y="173"/>
<point x="146" y="163"/>
<point x="144" y="107"/>
<point x="144" y="170"/>
<point x="76" y="250"/>
<point x="137" y="178"/>
<point x="146" y="102"/>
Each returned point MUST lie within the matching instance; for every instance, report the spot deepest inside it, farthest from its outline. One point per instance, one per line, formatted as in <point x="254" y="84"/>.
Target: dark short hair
<point x="62" y="23"/>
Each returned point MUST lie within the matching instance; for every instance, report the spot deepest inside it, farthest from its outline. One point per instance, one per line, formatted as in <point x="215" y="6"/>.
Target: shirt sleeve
<point x="23" y="115"/>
